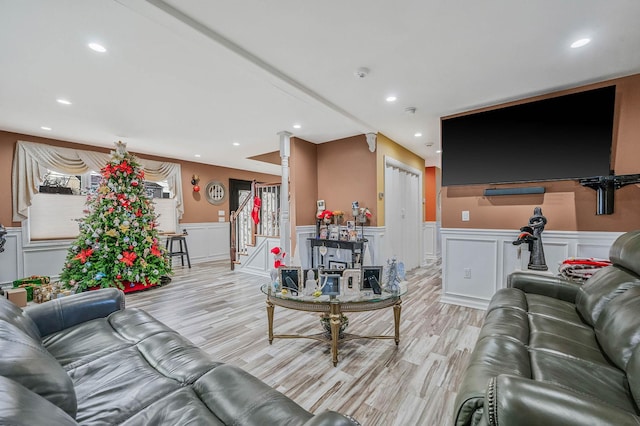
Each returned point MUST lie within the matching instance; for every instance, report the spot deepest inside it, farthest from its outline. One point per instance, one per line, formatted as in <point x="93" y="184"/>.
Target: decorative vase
<point x="326" y="324"/>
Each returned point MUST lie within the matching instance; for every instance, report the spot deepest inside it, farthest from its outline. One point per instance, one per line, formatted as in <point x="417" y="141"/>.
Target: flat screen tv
<point x="561" y="138"/>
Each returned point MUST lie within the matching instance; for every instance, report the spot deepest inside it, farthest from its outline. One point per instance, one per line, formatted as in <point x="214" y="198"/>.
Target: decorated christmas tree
<point x="118" y="243"/>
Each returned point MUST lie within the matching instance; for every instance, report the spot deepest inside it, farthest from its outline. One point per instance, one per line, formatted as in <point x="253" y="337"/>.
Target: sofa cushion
<point x="24" y="360"/>
<point x="603" y="382"/>
<point x="84" y="343"/>
<point x="604" y="285"/>
<point x="238" y="398"/>
<point x="618" y="327"/>
<point x="182" y="407"/>
<point x="117" y="385"/>
<point x="552" y="308"/>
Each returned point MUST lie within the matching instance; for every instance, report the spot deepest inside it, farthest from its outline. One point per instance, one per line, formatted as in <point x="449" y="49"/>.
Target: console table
<point x="357" y="249"/>
<point x="334" y="307"/>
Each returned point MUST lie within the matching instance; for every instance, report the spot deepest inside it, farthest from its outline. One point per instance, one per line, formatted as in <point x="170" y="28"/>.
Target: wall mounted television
<point x="561" y="138"/>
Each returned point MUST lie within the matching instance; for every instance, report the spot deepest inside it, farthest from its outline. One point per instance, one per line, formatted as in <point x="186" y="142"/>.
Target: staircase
<point x="251" y="243"/>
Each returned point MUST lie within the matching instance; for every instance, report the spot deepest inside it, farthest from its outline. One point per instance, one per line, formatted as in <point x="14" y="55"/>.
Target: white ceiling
<point x="186" y="77"/>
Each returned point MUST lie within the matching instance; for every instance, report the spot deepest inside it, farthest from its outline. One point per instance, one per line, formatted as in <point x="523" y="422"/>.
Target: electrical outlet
<point x="465" y="215"/>
<point x="467" y="273"/>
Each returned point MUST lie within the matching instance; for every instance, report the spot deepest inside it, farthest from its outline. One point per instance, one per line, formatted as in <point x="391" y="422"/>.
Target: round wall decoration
<point x="215" y="192"/>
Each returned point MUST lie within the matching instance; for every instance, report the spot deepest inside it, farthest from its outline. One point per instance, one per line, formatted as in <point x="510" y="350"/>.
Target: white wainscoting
<point x="476" y="262"/>
<point x="206" y="241"/>
<point x="377" y="250"/>
<point x="11" y="265"/>
<point x="430" y="242"/>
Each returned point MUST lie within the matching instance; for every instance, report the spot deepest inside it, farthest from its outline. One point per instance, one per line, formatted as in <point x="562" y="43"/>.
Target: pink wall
<point x="346" y="173"/>
<point x="567" y="205"/>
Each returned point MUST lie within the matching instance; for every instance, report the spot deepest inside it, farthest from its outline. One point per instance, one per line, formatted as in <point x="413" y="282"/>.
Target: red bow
<point x="125" y="167"/>
<point x="128" y="257"/>
<point x="107" y="171"/>
<point x="155" y="251"/>
<point x="84" y="255"/>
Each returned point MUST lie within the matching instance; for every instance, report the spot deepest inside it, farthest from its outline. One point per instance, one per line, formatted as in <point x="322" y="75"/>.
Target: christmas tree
<point x="118" y="242"/>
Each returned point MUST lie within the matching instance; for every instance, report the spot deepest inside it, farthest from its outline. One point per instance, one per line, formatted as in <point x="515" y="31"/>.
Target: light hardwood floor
<point x="375" y="381"/>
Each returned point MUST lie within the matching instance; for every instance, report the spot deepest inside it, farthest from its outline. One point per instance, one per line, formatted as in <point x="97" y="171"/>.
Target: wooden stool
<point x="182" y="252"/>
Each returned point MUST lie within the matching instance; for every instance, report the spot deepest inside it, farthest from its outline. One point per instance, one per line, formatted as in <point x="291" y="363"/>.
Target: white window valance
<point x="32" y="160"/>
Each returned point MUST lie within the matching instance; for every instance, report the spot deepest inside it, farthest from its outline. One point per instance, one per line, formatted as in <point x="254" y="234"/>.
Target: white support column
<point x="285" y="225"/>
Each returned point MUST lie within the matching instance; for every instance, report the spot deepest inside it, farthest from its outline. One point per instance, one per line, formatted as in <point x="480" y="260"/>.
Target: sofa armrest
<point x="512" y="400"/>
<point x="20" y="406"/>
<point x="546" y="285"/>
<point x="58" y="314"/>
<point x="331" y="418"/>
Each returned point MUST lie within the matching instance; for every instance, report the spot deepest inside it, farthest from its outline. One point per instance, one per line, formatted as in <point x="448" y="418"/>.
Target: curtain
<point x="32" y="160"/>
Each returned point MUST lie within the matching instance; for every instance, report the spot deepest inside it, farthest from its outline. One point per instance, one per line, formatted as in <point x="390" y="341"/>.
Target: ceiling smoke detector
<point x="361" y="72"/>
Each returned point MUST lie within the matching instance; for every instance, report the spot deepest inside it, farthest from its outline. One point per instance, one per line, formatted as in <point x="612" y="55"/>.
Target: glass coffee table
<point x="333" y="307"/>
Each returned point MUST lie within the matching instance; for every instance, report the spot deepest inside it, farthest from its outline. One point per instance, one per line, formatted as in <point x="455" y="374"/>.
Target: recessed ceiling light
<point x="236" y="144"/>
<point x="418" y="134"/>
<point x="45" y="128"/>
<point x="580" y="43"/>
<point x="97" y="47"/>
<point x="297" y="126"/>
<point x="63" y="101"/>
<point x="197" y="155"/>
<point x="391" y="99"/>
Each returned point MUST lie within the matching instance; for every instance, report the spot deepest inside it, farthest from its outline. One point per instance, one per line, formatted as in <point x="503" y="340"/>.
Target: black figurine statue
<point x="532" y="235"/>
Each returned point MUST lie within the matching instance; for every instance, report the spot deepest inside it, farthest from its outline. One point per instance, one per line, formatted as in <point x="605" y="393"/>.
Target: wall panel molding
<point x="490" y="256"/>
<point x="208" y="241"/>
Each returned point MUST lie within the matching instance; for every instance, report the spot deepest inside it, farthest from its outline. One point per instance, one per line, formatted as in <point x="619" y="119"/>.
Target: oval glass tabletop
<point x="351" y="296"/>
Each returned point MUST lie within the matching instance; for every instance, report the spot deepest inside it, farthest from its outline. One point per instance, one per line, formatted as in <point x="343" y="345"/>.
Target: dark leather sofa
<point x="84" y="359"/>
<point x="552" y="352"/>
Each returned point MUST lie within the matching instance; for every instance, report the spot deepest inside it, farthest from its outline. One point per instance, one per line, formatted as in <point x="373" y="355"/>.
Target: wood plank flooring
<point x="376" y="382"/>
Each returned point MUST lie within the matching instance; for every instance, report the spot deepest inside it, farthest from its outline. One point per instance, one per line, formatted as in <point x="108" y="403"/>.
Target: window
<point x="61" y="202"/>
<point x="56" y="216"/>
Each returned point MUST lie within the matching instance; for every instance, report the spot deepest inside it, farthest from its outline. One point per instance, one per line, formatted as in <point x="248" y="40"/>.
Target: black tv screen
<point x="566" y="137"/>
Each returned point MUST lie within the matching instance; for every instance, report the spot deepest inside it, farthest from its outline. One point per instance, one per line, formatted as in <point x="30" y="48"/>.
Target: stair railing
<point x="243" y="227"/>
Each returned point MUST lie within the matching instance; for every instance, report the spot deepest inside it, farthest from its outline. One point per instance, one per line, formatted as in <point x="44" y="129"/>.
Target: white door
<point x="403" y="212"/>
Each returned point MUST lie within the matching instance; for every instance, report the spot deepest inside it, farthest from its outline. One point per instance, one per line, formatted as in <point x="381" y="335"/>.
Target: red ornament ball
<point x="134" y="183"/>
<point x="118" y="276"/>
<point x="196" y="188"/>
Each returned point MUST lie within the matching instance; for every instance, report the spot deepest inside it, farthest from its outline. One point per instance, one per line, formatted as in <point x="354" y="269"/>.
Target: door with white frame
<point x="403" y="212"/>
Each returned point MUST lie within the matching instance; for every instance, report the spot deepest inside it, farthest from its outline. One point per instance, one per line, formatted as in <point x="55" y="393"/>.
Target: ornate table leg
<point x="270" y="320"/>
<point x="334" y="320"/>
<point x="396" y="316"/>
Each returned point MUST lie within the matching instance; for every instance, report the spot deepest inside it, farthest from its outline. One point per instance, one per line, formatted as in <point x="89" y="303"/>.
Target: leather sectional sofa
<point x="85" y="359"/>
<point x="552" y="352"/>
